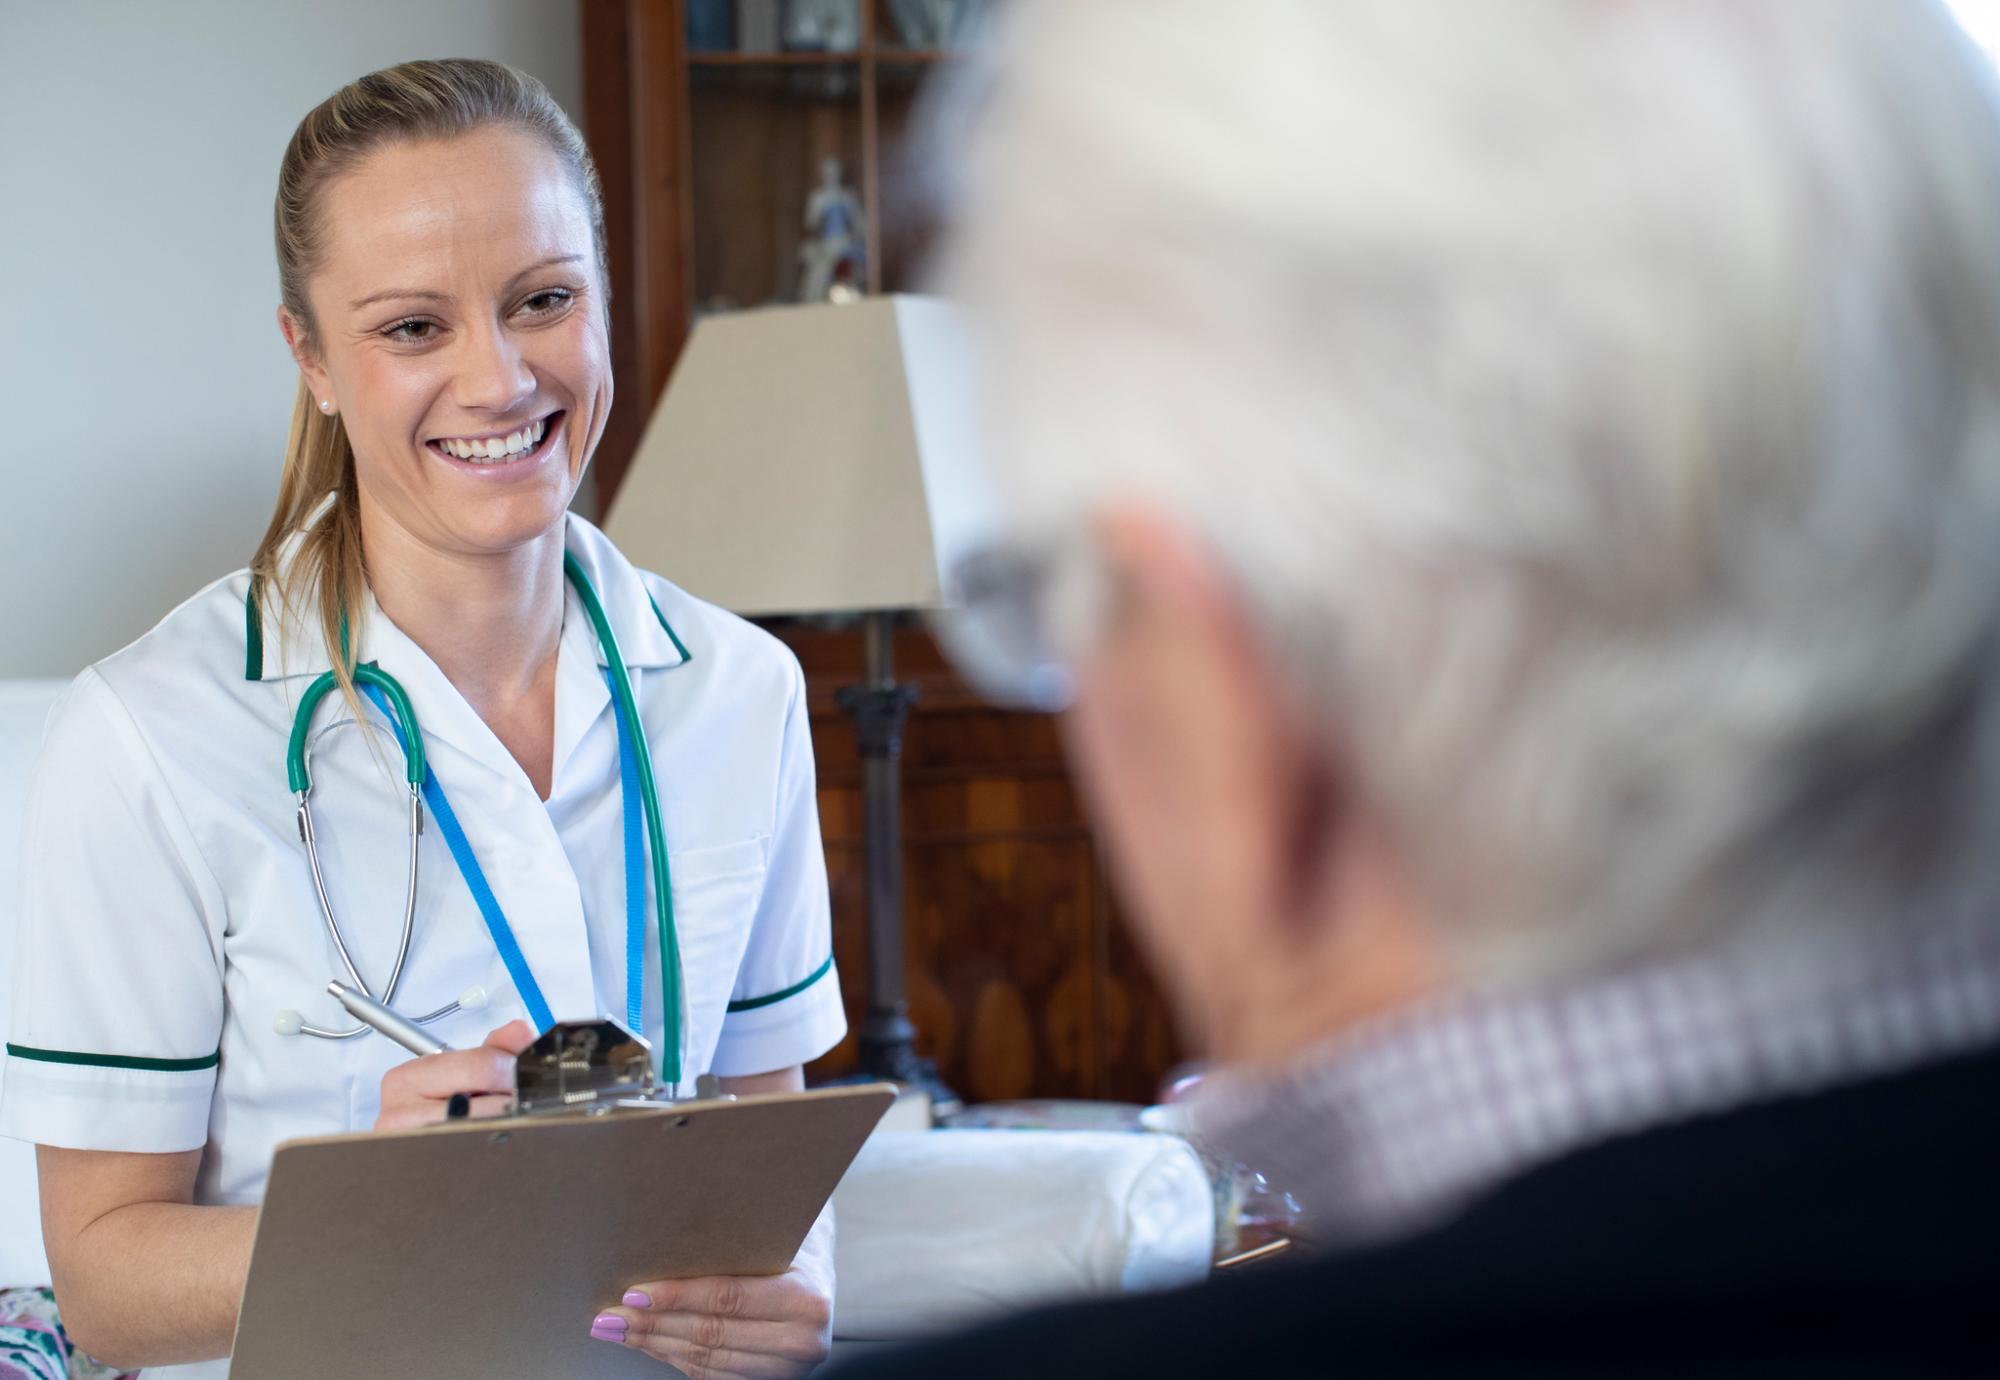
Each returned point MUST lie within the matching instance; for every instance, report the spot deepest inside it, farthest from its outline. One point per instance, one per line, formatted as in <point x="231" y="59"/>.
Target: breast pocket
<point x="715" y="891"/>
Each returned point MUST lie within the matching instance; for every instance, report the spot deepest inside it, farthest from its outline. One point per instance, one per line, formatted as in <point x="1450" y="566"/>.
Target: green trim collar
<point x="253" y="635"/>
<point x="114" y="1061"/>
<point x="672" y="636"/>
<point x="752" y="1003"/>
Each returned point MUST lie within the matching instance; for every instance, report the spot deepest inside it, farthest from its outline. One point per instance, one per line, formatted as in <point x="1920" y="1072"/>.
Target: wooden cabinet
<point x="1021" y="980"/>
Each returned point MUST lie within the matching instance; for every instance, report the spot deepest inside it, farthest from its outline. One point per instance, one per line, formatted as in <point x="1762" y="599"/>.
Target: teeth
<point x="498" y="447"/>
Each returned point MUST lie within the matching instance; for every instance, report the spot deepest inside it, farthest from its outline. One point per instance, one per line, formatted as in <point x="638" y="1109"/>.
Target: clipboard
<point x="484" y="1248"/>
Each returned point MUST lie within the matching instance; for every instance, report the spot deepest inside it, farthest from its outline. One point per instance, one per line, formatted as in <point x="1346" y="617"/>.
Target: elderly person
<point x="1514" y="491"/>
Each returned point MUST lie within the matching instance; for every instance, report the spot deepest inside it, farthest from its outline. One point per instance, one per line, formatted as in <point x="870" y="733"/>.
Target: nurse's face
<point x="459" y="331"/>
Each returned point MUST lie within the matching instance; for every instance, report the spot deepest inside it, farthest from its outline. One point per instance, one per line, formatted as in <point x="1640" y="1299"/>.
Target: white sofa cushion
<point x="24" y="709"/>
<point x="941" y="1228"/>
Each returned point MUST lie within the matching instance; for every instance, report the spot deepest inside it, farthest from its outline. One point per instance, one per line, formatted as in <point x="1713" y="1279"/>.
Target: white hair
<point x="1597" y="404"/>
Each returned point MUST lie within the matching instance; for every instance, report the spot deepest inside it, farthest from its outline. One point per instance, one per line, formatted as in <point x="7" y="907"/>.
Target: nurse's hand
<point x="727" y="1327"/>
<point x="415" y="1093"/>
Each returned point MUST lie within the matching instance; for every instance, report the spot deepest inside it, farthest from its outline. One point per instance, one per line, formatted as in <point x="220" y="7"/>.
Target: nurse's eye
<point x="411" y="330"/>
<point x="547" y="302"/>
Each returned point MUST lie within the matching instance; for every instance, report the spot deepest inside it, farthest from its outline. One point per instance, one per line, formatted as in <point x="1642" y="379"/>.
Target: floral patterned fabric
<point x="33" y="1345"/>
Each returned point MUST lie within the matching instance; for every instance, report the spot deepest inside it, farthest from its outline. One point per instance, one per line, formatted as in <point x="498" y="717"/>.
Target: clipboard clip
<point x="594" y="1067"/>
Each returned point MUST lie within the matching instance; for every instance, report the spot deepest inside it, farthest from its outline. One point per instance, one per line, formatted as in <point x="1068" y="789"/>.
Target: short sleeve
<point x="118" y="998"/>
<point x="785" y="1008"/>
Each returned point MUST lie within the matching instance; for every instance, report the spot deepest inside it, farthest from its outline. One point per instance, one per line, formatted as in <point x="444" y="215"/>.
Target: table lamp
<point x="817" y="459"/>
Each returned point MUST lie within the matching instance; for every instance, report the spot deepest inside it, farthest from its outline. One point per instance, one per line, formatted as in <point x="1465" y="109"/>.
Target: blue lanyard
<point x="489" y="905"/>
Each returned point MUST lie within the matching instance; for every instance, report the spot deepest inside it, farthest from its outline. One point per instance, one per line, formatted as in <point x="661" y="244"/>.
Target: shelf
<point x="821" y="83"/>
<point x="895" y="56"/>
<point x="773" y="59"/>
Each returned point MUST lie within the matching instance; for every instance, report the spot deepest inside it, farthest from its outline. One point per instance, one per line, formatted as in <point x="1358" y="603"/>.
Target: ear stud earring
<point x="326" y="406"/>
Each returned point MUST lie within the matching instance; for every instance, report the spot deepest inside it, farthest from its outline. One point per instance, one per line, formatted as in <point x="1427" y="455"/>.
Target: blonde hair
<point x="409" y="102"/>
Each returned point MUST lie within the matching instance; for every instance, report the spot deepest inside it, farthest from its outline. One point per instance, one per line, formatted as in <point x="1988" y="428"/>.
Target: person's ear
<point x="1283" y="776"/>
<point x="311" y="369"/>
<point x="1216" y="790"/>
<point x="1267" y="901"/>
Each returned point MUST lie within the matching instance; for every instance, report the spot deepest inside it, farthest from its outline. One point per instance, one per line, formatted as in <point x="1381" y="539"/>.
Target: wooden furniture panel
<point x="1136" y="1042"/>
<point x="1021" y="981"/>
<point x="635" y="121"/>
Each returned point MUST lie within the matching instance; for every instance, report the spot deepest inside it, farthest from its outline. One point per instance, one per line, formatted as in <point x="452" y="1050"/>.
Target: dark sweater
<point x="1854" y="1232"/>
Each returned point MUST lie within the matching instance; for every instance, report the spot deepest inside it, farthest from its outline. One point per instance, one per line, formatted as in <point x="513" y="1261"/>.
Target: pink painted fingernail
<point x="635" y="1298"/>
<point x="608" y="1327"/>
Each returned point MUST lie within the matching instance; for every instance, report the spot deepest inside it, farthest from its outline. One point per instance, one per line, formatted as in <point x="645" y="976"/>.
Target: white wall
<point x="144" y="390"/>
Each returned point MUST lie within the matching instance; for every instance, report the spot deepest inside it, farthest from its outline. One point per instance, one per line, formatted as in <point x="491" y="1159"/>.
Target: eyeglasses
<point x="1013" y="612"/>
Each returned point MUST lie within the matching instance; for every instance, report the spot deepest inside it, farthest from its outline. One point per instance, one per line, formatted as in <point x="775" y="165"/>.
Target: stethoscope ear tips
<point x="472" y="999"/>
<point x="289" y="1023"/>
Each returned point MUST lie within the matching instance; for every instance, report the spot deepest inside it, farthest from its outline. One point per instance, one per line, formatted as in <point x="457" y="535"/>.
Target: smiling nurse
<point x="441" y="258"/>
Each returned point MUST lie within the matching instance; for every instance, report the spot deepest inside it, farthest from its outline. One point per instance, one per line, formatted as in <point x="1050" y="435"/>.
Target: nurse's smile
<point x="503" y="454"/>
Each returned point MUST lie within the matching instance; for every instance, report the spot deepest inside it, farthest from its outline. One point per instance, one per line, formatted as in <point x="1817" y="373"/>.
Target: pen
<point x="367" y="1010"/>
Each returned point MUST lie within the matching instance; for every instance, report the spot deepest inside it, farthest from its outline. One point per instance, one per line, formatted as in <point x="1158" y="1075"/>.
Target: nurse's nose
<point x="492" y="375"/>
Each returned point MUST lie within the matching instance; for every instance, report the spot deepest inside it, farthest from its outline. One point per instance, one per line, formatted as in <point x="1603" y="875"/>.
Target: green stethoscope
<point x="640" y="795"/>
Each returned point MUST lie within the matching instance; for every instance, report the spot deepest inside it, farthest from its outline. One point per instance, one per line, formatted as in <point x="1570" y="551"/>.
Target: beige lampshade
<point x="811" y="459"/>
